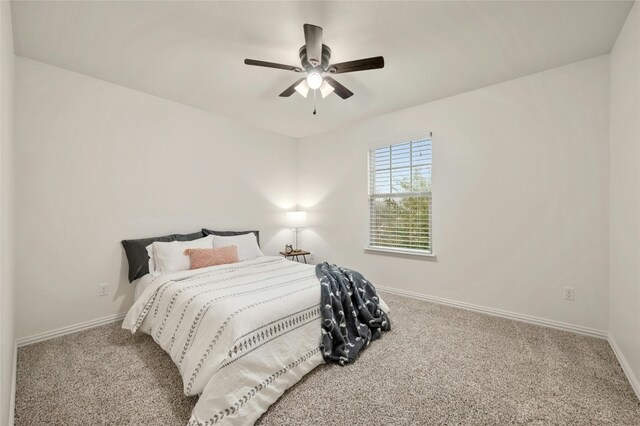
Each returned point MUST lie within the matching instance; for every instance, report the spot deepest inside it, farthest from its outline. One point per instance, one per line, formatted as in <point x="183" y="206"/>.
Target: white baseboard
<point x="635" y="384"/>
<point x="14" y="375"/>
<point x="500" y="313"/>
<point x="24" y="341"/>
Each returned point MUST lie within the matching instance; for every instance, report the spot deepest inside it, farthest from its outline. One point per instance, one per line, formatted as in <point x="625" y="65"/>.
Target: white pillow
<point x="247" y="245"/>
<point x="170" y="257"/>
<point x="152" y="262"/>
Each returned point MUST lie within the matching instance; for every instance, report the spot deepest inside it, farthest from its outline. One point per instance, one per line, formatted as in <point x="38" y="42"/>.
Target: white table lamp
<point x="297" y="220"/>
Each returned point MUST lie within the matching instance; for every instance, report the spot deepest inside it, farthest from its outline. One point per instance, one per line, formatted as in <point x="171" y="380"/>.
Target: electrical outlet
<point x="569" y="294"/>
<point x="103" y="289"/>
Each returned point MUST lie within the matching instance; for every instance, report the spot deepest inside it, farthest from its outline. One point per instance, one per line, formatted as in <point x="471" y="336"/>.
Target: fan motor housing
<point x="324" y="64"/>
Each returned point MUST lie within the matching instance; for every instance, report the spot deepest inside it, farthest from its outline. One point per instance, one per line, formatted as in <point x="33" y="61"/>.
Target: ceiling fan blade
<point x="313" y="41"/>
<point x="291" y="89"/>
<point x="338" y="88"/>
<point x="272" y="65"/>
<point x="357" y="65"/>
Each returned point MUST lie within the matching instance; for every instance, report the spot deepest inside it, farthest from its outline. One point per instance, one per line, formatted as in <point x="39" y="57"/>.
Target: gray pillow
<point x="136" y="251"/>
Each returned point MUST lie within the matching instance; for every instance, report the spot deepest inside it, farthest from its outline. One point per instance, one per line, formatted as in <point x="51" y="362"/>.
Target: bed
<point x="240" y="334"/>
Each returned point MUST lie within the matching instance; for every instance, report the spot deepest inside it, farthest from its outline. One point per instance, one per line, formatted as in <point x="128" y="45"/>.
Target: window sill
<point x="401" y="252"/>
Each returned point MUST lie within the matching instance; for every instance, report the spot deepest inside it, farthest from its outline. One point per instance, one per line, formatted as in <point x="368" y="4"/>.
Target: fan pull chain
<point x="314" y="102"/>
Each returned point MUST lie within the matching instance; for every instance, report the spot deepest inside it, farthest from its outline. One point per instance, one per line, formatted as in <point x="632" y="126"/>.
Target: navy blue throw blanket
<point x="351" y="314"/>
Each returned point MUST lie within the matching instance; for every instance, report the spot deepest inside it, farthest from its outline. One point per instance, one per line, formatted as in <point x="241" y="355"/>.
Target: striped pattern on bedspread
<point x="240" y="334"/>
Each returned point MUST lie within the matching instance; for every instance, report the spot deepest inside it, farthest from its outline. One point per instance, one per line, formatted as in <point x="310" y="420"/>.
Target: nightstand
<point x="295" y="254"/>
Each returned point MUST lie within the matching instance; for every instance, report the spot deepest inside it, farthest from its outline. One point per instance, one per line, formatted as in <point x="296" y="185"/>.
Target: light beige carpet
<point x="439" y="365"/>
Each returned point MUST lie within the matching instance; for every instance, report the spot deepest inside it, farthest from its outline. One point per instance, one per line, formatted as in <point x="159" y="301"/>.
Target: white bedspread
<point x="141" y="285"/>
<point x="240" y="334"/>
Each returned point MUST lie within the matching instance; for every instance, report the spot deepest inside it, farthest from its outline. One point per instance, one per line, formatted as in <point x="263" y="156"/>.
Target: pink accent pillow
<point x="201" y="258"/>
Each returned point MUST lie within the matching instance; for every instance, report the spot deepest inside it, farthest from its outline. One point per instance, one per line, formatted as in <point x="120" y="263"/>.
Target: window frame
<point x="397" y="251"/>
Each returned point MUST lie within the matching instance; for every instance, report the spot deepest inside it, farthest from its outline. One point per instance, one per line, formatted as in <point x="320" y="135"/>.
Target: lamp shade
<point x="325" y="89"/>
<point x="297" y="219"/>
<point x="303" y="88"/>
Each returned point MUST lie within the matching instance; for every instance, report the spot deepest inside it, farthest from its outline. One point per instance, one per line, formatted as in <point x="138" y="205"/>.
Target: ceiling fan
<point x="314" y="60"/>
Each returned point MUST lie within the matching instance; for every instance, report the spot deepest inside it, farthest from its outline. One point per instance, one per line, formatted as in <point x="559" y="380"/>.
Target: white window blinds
<point x="400" y="197"/>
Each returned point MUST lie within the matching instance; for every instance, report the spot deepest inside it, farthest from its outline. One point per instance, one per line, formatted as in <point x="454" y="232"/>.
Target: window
<point x="400" y="197"/>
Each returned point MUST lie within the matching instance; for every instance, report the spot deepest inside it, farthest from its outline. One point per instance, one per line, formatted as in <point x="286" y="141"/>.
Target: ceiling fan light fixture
<point x="303" y="88"/>
<point x="326" y="89"/>
<point x="314" y="80"/>
<point x="316" y="67"/>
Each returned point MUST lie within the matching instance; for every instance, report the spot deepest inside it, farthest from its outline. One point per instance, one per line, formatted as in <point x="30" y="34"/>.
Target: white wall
<point x="98" y="163"/>
<point x="520" y="195"/>
<point x="624" y="281"/>
<point x="525" y="192"/>
<point x="7" y="339"/>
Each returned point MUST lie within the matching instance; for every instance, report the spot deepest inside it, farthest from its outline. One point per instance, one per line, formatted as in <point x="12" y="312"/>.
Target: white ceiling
<point x="193" y="52"/>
